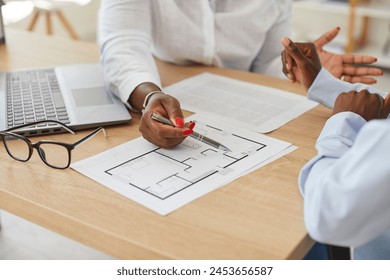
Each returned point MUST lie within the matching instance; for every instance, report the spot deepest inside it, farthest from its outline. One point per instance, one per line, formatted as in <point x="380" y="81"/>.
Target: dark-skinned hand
<point x="163" y="135"/>
<point x="348" y="67"/>
<point x="368" y="105"/>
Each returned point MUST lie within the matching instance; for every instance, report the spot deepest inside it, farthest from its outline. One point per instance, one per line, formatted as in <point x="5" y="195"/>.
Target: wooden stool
<point x="49" y="8"/>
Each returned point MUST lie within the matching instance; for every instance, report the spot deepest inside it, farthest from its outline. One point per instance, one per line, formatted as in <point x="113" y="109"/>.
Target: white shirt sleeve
<point x="125" y="45"/>
<point x="326" y="88"/>
<point x="268" y="61"/>
<point x="347" y="185"/>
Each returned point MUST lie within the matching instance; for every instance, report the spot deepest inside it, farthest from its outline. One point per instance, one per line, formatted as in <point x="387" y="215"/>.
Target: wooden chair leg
<point x="353" y="44"/>
<point x="363" y="38"/>
<point x="49" y="29"/>
<point x="33" y="22"/>
<point x="67" y="25"/>
<point x="350" y="47"/>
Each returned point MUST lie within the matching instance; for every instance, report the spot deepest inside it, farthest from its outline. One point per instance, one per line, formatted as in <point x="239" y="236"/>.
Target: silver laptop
<point x="74" y="95"/>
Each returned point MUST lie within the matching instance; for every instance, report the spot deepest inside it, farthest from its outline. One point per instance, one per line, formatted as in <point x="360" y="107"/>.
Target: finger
<point x="172" y="109"/>
<point x="174" y="112"/>
<point x="163" y="131"/>
<point x="287" y="62"/>
<point x="362" y="71"/>
<point x="179" y="122"/>
<point x="327" y="37"/>
<point x="359" y="79"/>
<point x="160" y="130"/>
<point x="290" y="63"/>
<point x="191" y="125"/>
<point x="358" y="59"/>
<point x="174" y="132"/>
<point x="283" y="58"/>
<point x="386" y="107"/>
<point x="293" y="51"/>
<point x="387" y="100"/>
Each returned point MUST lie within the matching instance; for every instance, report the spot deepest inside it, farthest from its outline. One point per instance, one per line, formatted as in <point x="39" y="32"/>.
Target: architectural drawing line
<point x="250" y="140"/>
<point x="120" y="164"/>
<point x="191" y="172"/>
<point x="163" y="198"/>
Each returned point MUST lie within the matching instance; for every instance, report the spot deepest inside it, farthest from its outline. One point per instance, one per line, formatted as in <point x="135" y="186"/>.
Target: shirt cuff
<point x="339" y="133"/>
<point x="336" y="138"/>
<point x="325" y="88"/>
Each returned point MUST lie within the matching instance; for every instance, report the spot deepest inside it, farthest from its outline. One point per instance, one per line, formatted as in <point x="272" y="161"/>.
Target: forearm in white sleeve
<point x="125" y="45"/>
<point x="346" y="187"/>
<point x="326" y="88"/>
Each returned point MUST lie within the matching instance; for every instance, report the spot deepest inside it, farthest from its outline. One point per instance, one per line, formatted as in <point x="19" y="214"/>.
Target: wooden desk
<point x="259" y="216"/>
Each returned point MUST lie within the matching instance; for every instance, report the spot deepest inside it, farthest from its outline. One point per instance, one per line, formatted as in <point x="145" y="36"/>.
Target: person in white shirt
<point x="346" y="186"/>
<point x="243" y="35"/>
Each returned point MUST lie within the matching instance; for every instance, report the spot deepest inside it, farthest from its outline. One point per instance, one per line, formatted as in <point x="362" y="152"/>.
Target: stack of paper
<point x="248" y="105"/>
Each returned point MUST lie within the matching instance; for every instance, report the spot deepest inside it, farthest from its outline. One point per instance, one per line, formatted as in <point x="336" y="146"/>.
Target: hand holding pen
<point x="162" y="135"/>
<point x="194" y="134"/>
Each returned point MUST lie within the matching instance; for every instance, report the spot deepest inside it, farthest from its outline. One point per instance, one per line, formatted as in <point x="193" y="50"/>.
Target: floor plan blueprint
<point x="179" y="170"/>
<point x="165" y="179"/>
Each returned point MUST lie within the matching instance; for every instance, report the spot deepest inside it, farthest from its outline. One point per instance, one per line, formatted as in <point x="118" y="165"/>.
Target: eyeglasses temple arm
<point x="93" y="133"/>
<point x="67" y="128"/>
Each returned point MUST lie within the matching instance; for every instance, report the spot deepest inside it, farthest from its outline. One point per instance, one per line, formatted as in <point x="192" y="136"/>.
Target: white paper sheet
<point x="164" y="180"/>
<point x="259" y="108"/>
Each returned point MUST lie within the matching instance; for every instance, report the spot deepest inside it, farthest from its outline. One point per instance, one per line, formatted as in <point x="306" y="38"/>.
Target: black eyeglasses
<point x="54" y="154"/>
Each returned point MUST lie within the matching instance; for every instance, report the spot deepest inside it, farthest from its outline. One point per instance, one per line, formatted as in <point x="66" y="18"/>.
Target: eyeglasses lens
<point x="54" y="154"/>
<point x="17" y="147"/>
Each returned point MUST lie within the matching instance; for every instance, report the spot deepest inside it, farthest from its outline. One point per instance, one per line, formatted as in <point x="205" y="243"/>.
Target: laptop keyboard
<point x="34" y="96"/>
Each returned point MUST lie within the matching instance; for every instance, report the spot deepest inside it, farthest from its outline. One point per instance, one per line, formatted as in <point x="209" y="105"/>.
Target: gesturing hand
<point x="300" y="62"/>
<point x="346" y="66"/>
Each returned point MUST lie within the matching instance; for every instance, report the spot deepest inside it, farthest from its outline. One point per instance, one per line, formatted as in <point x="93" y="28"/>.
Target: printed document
<point x="259" y="108"/>
<point x="164" y="180"/>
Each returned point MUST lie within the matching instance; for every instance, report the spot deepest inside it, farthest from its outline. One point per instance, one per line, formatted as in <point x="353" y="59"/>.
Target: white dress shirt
<point x="243" y="35"/>
<point x="347" y="185"/>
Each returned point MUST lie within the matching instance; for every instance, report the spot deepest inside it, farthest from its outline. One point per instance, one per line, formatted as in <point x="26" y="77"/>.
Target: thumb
<point x="294" y="51"/>
<point x="327" y="37"/>
<point x="386" y="106"/>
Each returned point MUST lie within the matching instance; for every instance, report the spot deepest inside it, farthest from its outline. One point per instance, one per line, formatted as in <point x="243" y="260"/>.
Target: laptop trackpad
<point x="97" y="96"/>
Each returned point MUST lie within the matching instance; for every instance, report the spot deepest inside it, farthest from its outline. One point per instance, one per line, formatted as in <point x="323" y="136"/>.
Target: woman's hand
<point x="300" y="62"/>
<point x="163" y="135"/>
<point x="348" y="67"/>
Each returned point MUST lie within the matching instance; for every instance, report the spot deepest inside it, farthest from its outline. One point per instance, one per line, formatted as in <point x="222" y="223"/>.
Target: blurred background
<point x="365" y="28"/>
<point x="366" y="31"/>
<point x="81" y="15"/>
